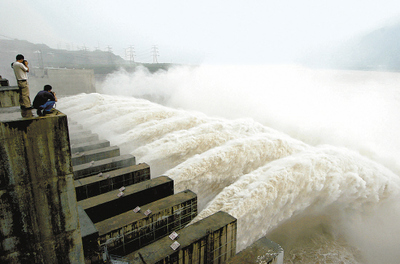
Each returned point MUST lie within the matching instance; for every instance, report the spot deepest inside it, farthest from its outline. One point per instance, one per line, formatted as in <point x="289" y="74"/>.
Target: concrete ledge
<point x="9" y="96"/>
<point x="84" y="138"/>
<point x="112" y="180"/>
<point x="211" y="240"/>
<point x="82" y="147"/>
<point x="109" y="204"/>
<point x="95" y="167"/>
<point x="130" y="231"/>
<point x="95" y="155"/>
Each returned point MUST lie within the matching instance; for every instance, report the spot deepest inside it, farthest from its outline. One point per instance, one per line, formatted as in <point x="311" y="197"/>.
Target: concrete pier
<point x="82" y="147"/>
<point x="109" y="204"/>
<point x="95" y="155"/>
<point x="211" y="240"/>
<point x="131" y="230"/>
<point x="39" y="218"/>
<point x="112" y="180"/>
<point x="105" y="165"/>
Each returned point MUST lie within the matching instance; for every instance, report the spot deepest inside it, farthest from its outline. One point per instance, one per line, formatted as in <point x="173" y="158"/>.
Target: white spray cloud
<point x="266" y="179"/>
<point x="343" y="108"/>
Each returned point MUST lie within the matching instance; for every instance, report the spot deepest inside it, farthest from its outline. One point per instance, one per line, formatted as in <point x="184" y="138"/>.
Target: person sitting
<point x="44" y="100"/>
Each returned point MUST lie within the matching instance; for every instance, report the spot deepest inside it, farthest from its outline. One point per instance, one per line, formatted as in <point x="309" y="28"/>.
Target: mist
<point x="352" y="109"/>
<point x="305" y="157"/>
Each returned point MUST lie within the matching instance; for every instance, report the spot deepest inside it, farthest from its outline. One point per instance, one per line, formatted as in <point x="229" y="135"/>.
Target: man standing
<point x="44" y="100"/>
<point x="20" y="70"/>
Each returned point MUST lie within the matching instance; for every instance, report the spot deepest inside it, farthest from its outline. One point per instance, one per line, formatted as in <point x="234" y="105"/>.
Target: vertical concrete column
<point x="38" y="213"/>
<point x="9" y="96"/>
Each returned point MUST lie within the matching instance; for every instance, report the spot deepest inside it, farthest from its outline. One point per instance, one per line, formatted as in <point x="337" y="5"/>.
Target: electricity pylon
<point x="155" y="53"/>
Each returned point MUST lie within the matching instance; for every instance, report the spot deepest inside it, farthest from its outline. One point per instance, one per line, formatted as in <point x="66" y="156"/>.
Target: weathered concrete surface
<point x="211" y="240"/>
<point x="112" y="180"/>
<point x="109" y="204"/>
<point x="90" y="236"/>
<point x="38" y="215"/>
<point x="105" y="165"/>
<point x="261" y="251"/>
<point x="94" y="155"/>
<point x="76" y="148"/>
<point x="130" y="231"/>
<point x="9" y="96"/>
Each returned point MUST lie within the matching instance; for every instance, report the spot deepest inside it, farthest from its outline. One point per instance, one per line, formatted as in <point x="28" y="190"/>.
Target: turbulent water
<point x="308" y="158"/>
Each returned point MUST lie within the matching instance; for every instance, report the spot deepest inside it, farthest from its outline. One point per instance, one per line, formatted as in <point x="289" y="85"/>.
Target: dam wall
<point x="39" y="222"/>
<point x="64" y="81"/>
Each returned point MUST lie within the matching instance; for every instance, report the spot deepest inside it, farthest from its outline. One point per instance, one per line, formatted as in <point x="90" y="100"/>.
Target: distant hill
<point x="377" y="50"/>
<point x="42" y="56"/>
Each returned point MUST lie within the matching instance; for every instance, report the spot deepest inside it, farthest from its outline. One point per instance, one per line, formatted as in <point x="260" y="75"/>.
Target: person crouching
<point x="44" y="100"/>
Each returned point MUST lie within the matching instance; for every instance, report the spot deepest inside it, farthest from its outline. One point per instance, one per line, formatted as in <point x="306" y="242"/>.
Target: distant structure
<point x="39" y="58"/>
<point x="155" y="53"/>
<point x="130" y="54"/>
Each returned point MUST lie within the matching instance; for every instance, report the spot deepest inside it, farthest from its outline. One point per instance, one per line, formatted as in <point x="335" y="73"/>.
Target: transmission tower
<point x="130" y="54"/>
<point x="155" y="53"/>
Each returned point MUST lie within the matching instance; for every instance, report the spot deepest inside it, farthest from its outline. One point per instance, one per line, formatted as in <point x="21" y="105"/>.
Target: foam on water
<point x="322" y="203"/>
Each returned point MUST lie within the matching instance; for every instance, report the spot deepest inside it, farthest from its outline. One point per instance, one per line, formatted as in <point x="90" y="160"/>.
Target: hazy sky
<point x="186" y="31"/>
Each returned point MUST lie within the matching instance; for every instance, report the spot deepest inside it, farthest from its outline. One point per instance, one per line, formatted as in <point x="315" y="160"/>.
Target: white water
<point x="308" y="158"/>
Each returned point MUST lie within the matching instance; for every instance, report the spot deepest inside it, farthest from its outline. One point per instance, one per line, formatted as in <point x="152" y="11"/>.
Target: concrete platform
<point x="95" y="167"/>
<point x="95" y="155"/>
<point x="82" y="147"/>
<point x="112" y="180"/>
<point x="211" y="240"/>
<point x="109" y="204"/>
<point x="130" y="231"/>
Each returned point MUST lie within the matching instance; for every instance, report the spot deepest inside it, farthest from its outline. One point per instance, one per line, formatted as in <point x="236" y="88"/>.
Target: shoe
<point x="39" y="112"/>
<point x="26" y="108"/>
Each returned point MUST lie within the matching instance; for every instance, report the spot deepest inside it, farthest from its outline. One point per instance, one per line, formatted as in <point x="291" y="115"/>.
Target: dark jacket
<point x="42" y="97"/>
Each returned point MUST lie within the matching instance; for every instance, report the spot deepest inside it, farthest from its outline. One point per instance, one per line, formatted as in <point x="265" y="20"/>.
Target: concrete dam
<point x="68" y="196"/>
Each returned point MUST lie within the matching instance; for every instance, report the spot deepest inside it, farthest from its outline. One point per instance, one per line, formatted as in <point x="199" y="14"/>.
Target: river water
<point x="309" y="158"/>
